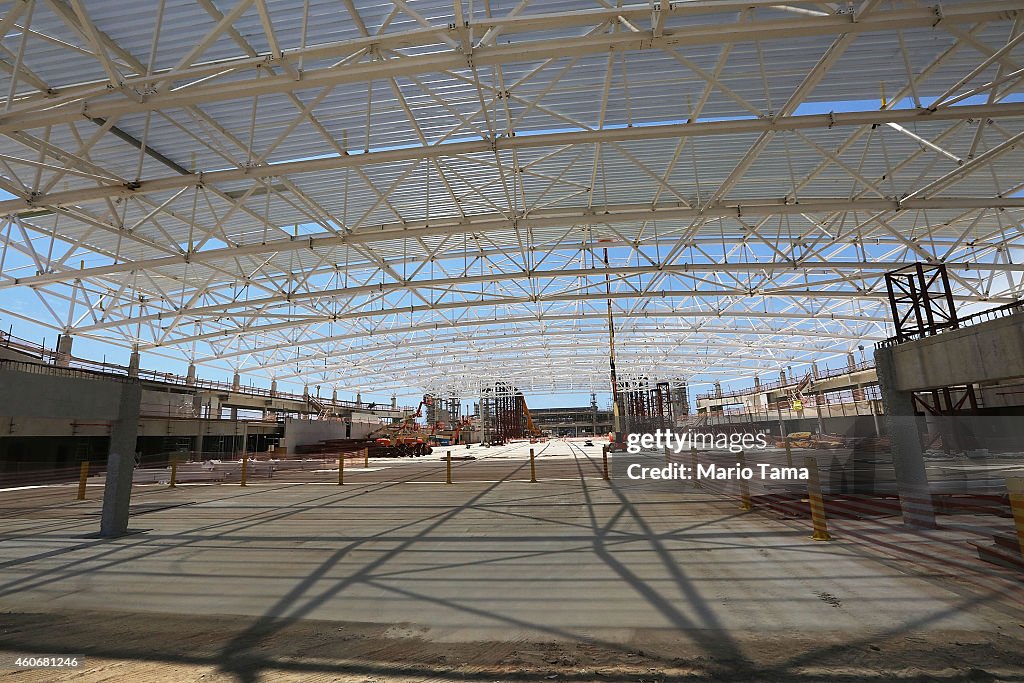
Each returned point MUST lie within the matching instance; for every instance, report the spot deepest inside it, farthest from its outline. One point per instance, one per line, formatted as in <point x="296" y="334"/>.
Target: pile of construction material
<point x="833" y="442"/>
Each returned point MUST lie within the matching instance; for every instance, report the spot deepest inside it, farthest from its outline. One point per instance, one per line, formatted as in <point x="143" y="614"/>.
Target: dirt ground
<point x="122" y="646"/>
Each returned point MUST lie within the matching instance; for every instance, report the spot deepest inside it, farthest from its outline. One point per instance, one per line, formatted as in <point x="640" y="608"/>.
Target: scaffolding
<point x="502" y="413"/>
<point x="646" y="407"/>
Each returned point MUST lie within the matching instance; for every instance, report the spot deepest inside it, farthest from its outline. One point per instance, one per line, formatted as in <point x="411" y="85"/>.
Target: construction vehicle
<point x="448" y="434"/>
<point x="796" y="394"/>
<point x="405" y="439"/>
<point x="531" y="428"/>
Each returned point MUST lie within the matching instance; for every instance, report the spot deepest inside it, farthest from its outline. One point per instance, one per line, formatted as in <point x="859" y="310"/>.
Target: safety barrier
<point x="83" y="476"/>
<point x="817" y="501"/>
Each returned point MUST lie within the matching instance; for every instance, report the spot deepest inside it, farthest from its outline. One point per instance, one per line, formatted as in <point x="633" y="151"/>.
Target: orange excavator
<point x="531" y="428"/>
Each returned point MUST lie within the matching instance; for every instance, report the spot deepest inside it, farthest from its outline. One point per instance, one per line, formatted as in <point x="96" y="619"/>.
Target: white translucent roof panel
<point x="415" y="196"/>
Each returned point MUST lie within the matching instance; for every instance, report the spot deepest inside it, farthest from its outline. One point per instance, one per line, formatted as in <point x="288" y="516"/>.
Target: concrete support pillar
<point x="133" y="363"/>
<point x="718" y="389"/>
<point x="757" y="382"/>
<point x="273" y="387"/>
<point x="814" y="370"/>
<point x="359" y="398"/>
<point x="190" y="378"/>
<point x="117" y="493"/>
<point x="907" y="457"/>
<point x="234" y="414"/>
<point x="394" y="403"/>
<point x="305" y="392"/>
<point x="782" y="376"/>
<point x="64" y="343"/>
<point x="334" y="395"/>
<point x="236" y="382"/>
<point x="851" y="362"/>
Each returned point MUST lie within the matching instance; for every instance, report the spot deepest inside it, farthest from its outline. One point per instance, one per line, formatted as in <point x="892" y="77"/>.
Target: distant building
<point x="576" y="421"/>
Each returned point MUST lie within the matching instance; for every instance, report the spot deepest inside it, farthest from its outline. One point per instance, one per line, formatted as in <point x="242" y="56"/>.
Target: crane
<point x="531" y="428"/>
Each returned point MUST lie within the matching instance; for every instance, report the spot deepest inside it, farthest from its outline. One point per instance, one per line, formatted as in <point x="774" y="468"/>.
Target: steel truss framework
<point x="395" y="196"/>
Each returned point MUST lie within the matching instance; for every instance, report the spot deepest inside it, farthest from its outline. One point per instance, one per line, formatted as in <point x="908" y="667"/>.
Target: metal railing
<point x="58" y="371"/>
<point x="863" y="407"/>
<point x="1004" y="311"/>
<point x="824" y="374"/>
<point x="98" y="369"/>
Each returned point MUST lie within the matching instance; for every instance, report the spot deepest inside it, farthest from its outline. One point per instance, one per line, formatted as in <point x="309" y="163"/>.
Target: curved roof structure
<point x="431" y="194"/>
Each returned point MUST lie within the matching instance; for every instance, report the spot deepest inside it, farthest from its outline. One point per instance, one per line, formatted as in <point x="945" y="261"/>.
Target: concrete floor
<point x="399" y="556"/>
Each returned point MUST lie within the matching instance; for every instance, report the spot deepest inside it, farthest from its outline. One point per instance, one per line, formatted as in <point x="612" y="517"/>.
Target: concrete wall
<point x="28" y="394"/>
<point x="302" y="432"/>
<point x="985" y="352"/>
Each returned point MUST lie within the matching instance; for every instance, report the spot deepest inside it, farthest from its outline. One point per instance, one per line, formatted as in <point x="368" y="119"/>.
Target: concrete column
<point x="305" y="392"/>
<point x="236" y="382"/>
<point x="359" y="399"/>
<point x="133" y="362"/>
<point x="394" y="403"/>
<point x="907" y="457"/>
<point x="273" y="387"/>
<point x="718" y="389"/>
<point x="190" y="378"/>
<point x="851" y="362"/>
<point x="64" y="343"/>
<point x="814" y="370"/>
<point x="117" y="493"/>
<point x="757" y="382"/>
<point x="334" y="395"/>
<point x="782" y="376"/>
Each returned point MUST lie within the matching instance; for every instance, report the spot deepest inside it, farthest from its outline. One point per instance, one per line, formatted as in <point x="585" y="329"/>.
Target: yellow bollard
<point x="174" y="473"/>
<point x="604" y="455"/>
<point x="533" y="469"/>
<point x="245" y="469"/>
<point x="448" y="467"/>
<point x="693" y="466"/>
<point x="341" y="469"/>
<point x="789" y="452"/>
<point x="366" y="458"/>
<point x="817" y="503"/>
<point x="83" y="474"/>
<point x="744" y="486"/>
<point x="1015" y="487"/>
